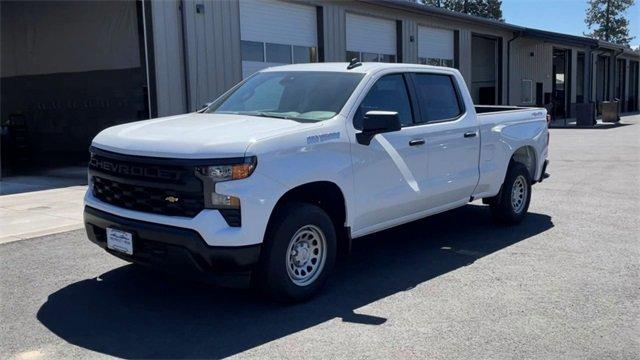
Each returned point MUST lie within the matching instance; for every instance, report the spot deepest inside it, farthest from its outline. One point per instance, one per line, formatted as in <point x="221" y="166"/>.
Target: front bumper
<point x="172" y="249"/>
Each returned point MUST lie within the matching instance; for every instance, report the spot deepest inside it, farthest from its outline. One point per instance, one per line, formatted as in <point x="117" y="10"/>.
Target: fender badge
<point x="171" y="199"/>
<point x="316" y="139"/>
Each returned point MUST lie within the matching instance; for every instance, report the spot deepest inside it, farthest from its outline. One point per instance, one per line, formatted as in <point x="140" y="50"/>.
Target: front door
<point x="390" y="173"/>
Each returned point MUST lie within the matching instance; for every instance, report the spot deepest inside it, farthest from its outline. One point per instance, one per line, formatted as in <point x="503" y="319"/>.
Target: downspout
<point x="517" y="35"/>
<point x="614" y="63"/>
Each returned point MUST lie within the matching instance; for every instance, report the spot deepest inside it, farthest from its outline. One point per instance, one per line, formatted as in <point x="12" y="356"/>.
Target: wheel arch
<point x="526" y="155"/>
<point x="328" y="196"/>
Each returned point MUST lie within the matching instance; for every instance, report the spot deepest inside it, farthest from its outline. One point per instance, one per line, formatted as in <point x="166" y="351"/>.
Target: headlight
<point x="228" y="172"/>
<point x="213" y="174"/>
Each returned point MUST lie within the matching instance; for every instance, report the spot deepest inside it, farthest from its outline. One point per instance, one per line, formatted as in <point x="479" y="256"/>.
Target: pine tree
<point x="606" y="20"/>
<point x="491" y="9"/>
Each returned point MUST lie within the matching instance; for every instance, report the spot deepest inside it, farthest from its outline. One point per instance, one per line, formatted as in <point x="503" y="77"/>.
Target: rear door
<point x="452" y="139"/>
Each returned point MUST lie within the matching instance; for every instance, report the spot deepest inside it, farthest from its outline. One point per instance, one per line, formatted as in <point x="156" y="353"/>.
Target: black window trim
<point x="415" y="112"/>
<point x="463" y="109"/>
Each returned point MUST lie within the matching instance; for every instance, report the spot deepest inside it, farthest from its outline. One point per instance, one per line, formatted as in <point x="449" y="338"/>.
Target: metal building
<point x="71" y="68"/>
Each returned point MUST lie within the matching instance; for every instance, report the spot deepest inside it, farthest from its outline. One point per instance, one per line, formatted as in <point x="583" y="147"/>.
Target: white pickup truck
<point x="274" y="178"/>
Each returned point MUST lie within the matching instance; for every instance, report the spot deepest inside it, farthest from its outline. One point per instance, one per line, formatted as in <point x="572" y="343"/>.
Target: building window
<point x="526" y="91"/>
<point x="304" y="54"/>
<point x="278" y="53"/>
<point x="370" y="57"/>
<point x="387" y="58"/>
<point x="353" y="55"/>
<point x="252" y="51"/>
<point x="436" y="62"/>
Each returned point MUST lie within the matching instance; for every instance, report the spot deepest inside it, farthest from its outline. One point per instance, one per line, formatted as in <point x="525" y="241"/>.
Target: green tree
<point x="491" y="9"/>
<point x="606" y="20"/>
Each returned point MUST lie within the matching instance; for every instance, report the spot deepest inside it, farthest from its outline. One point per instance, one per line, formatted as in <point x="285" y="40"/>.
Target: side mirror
<point x="378" y="122"/>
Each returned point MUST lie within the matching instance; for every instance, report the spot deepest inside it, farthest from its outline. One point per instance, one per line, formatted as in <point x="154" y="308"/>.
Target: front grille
<point x="147" y="184"/>
<point x="147" y="199"/>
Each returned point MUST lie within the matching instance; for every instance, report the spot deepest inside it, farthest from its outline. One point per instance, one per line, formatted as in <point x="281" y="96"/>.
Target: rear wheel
<point x="511" y="205"/>
<point x="298" y="254"/>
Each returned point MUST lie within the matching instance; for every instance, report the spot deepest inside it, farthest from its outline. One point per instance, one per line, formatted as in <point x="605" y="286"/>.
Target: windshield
<point x="297" y="95"/>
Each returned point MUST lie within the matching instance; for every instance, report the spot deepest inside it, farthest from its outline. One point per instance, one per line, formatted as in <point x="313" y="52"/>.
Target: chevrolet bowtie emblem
<point x="171" y="199"/>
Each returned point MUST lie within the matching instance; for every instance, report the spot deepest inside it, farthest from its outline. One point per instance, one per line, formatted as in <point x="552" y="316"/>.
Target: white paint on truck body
<point x="445" y="172"/>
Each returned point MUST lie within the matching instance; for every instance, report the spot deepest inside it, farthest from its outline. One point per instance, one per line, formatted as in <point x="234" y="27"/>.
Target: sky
<point x="563" y="16"/>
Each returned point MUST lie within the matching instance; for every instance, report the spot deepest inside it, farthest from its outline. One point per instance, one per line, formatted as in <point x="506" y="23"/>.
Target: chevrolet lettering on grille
<point x="134" y="170"/>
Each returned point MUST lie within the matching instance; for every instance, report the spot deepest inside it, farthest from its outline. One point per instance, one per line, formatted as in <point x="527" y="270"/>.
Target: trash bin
<point x="610" y="111"/>
<point x="586" y="114"/>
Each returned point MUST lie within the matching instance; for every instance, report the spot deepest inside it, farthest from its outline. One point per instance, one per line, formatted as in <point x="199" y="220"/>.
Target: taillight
<point x="548" y="119"/>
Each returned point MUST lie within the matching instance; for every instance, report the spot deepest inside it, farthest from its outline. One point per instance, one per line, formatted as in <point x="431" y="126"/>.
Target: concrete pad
<point x="47" y="179"/>
<point x="38" y="213"/>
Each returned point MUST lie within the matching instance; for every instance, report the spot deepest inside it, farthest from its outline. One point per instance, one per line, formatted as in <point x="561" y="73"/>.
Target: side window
<point x="389" y="93"/>
<point x="437" y="97"/>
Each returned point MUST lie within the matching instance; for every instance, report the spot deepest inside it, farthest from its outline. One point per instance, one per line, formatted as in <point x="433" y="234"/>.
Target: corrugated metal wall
<point x="168" y="55"/>
<point x="212" y="47"/>
<point x="530" y="60"/>
<point x="212" y="33"/>
<point x="335" y="30"/>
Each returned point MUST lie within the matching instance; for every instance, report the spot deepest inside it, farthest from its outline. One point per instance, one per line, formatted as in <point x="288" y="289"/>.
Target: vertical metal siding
<point x="537" y="68"/>
<point x="169" y="67"/>
<point x="213" y="49"/>
<point x="334" y="31"/>
<point x="410" y="48"/>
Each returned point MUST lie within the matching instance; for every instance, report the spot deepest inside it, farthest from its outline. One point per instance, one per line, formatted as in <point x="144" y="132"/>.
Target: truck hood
<point x="193" y="135"/>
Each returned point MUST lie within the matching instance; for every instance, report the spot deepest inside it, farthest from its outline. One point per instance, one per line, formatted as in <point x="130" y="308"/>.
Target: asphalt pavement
<point x="563" y="284"/>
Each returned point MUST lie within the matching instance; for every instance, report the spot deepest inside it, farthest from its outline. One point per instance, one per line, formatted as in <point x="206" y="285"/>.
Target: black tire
<point x="502" y="207"/>
<point x="272" y="276"/>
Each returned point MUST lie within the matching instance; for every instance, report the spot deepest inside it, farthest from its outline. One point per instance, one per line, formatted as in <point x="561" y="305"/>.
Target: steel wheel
<point x="519" y="194"/>
<point x="306" y="255"/>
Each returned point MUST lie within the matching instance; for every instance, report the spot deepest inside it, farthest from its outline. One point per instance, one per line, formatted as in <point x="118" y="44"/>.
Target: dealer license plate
<point x="119" y="240"/>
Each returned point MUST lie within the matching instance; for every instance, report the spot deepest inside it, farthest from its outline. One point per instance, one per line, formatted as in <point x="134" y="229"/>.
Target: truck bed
<point x="486" y="109"/>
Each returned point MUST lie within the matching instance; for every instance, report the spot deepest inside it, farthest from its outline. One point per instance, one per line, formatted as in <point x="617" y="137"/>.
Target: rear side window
<point x="438" y="97"/>
<point x="389" y="93"/>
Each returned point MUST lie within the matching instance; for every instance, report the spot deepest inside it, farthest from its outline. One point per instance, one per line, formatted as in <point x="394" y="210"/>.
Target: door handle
<point x="416" y="142"/>
<point x="470" y="134"/>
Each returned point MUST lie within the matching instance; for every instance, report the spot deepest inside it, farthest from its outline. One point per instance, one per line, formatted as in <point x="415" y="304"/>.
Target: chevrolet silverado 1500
<point x="274" y="178"/>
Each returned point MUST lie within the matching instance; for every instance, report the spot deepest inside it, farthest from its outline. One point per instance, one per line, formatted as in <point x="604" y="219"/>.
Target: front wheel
<point x="511" y="206"/>
<point x="298" y="254"/>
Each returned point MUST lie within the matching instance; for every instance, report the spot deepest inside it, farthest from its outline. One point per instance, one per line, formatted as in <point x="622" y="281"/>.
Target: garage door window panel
<point x="438" y="97"/>
<point x="389" y="93"/>
<point x="304" y="54"/>
<point x="252" y="51"/>
<point x="278" y="53"/>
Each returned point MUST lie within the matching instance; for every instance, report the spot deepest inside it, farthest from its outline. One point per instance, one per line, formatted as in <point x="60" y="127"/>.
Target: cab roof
<point x="365" y="67"/>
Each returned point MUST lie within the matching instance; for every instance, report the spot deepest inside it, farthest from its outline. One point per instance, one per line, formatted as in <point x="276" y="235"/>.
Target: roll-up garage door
<point x="435" y="46"/>
<point x="276" y="33"/>
<point x="370" y="38"/>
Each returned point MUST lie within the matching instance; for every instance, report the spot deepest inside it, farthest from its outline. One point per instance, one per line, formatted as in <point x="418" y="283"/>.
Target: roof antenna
<point x="354" y="64"/>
